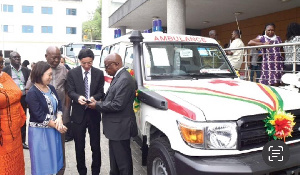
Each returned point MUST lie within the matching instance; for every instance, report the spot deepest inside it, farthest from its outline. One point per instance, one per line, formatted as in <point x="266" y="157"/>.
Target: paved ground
<point x="71" y="169"/>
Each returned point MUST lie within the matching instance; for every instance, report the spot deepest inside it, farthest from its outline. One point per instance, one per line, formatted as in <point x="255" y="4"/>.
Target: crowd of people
<point x="59" y="101"/>
<point x="269" y="63"/>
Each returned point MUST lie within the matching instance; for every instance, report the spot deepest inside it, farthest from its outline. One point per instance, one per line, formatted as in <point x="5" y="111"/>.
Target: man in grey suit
<point x="86" y="83"/>
<point x="118" y="118"/>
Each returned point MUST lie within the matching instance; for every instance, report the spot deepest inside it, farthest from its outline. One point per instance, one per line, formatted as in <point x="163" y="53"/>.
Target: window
<point x="47" y="29"/>
<point x="8" y="8"/>
<point x="27" y="9"/>
<point x="47" y="10"/>
<point x="27" y="29"/>
<point x="128" y="61"/>
<point x="71" y="12"/>
<point x="105" y="52"/>
<point x="8" y="28"/>
<point x="71" y="30"/>
<point x="5" y="28"/>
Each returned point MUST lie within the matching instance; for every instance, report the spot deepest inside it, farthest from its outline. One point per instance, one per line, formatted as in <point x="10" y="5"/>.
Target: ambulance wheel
<point x="160" y="158"/>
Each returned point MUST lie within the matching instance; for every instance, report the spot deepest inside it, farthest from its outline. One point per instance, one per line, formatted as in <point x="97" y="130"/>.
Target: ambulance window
<point x="103" y="56"/>
<point x="160" y="57"/>
<point x="115" y="49"/>
<point x="128" y="62"/>
<point x="147" y="60"/>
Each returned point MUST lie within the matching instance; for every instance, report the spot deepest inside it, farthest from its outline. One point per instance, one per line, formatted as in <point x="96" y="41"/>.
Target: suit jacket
<point x="75" y="88"/>
<point x="39" y="108"/>
<point x="118" y="118"/>
<point x="25" y="72"/>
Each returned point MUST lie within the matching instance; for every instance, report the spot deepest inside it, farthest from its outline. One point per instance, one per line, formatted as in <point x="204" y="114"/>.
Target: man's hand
<point x="228" y="52"/>
<point x="92" y="105"/>
<point x="92" y="99"/>
<point x="82" y="100"/>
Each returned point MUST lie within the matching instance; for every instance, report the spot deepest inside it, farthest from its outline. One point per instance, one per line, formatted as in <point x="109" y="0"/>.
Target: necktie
<point x="86" y="85"/>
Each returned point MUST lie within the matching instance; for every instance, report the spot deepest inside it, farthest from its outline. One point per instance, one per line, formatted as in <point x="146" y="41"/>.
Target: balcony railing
<point x="245" y="70"/>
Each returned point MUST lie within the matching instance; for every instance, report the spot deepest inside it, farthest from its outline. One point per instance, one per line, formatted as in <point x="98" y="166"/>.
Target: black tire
<point x="160" y="158"/>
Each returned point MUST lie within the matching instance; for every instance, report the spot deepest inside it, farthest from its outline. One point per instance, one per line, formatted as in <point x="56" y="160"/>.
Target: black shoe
<point x="25" y="146"/>
<point x="68" y="139"/>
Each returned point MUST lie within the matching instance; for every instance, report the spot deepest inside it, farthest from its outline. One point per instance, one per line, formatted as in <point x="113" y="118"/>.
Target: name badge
<point x="22" y="87"/>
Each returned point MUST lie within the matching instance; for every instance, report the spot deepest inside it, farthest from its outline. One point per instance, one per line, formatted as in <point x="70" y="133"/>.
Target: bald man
<point x="118" y="118"/>
<point x="59" y="77"/>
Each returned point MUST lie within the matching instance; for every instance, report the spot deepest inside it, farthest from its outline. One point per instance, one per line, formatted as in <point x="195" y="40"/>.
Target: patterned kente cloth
<point x="12" y="118"/>
<point x="272" y="63"/>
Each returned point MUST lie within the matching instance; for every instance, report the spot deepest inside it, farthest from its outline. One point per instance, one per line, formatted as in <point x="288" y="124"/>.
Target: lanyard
<point x="21" y="85"/>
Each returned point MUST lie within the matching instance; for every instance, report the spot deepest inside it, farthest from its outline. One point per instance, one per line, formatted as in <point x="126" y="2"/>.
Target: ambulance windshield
<point x="185" y="60"/>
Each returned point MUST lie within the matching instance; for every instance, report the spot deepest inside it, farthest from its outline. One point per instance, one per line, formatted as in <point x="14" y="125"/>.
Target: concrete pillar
<point x="107" y="34"/>
<point x="123" y="30"/>
<point x="176" y="12"/>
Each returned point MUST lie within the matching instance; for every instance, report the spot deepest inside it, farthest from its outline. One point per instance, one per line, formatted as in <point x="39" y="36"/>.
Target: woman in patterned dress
<point x="272" y="63"/>
<point x="45" y="126"/>
<point x="12" y="118"/>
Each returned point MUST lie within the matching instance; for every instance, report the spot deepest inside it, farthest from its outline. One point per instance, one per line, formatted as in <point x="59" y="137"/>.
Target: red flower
<point x="131" y="72"/>
<point x="283" y="128"/>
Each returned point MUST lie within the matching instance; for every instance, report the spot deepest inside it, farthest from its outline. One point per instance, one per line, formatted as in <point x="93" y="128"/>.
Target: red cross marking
<point x="230" y="83"/>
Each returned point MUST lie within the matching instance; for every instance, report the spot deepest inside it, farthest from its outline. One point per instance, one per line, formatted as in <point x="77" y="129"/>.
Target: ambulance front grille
<point x="252" y="133"/>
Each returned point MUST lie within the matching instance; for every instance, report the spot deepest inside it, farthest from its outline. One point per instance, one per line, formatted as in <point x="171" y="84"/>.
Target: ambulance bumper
<point x="248" y="163"/>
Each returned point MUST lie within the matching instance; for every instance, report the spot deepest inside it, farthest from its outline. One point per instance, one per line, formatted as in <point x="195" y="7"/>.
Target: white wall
<point x="108" y="7"/>
<point x="32" y="46"/>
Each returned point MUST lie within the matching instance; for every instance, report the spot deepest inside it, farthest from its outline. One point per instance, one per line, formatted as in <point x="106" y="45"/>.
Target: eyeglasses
<point x="108" y="65"/>
<point x="1" y="63"/>
<point x="16" y="57"/>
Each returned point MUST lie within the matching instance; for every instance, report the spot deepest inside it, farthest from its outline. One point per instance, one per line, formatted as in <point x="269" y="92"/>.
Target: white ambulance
<point x="195" y="116"/>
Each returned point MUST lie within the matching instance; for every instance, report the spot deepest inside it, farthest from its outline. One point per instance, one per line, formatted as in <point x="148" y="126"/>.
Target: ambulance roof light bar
<point x="156" y="25"/>
<point x="117" y="33"/>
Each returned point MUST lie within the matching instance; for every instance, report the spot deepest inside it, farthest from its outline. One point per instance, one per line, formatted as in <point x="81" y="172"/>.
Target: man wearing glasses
<point x="85" y="83"/>
<point x="119" y="123"/>
<point x="20" y="76"/>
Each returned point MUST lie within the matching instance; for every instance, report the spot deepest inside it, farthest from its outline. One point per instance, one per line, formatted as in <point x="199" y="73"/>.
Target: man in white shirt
<point x="236" y="56"/>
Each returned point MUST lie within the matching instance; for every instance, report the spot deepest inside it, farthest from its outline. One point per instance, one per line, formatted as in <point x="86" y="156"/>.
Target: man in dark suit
<point x="85" y="83"/>
<point x="20" y="76"/>
<point x="118" y="118"/>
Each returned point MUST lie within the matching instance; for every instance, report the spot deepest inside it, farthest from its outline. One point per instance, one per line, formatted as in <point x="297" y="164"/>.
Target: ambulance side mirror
<point x="291" y="79"/>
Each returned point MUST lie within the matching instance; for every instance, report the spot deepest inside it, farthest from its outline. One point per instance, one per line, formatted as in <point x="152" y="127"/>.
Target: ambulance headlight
<point x="221" y="136"/>
<point x="209" y="135"/>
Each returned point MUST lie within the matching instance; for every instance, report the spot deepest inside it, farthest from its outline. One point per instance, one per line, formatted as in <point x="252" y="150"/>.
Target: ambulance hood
<point x="221" y="99"/>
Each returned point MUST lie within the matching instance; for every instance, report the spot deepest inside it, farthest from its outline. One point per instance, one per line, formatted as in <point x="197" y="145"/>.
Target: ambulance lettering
<point x="179" y="38"/>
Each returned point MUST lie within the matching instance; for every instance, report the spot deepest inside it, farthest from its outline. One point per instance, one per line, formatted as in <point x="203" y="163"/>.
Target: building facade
<point x="30" y="26"/>
<point x="197" y="17"/>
